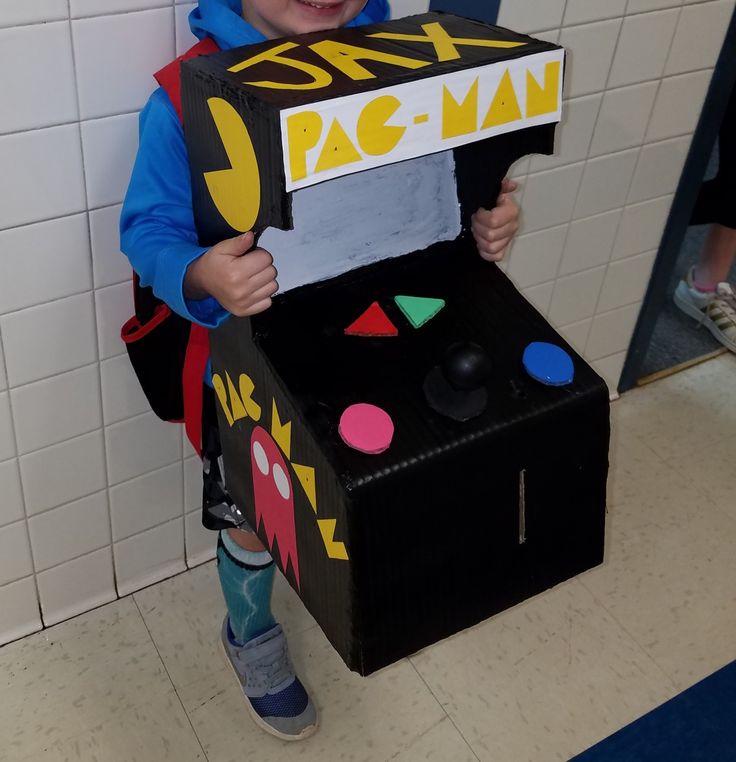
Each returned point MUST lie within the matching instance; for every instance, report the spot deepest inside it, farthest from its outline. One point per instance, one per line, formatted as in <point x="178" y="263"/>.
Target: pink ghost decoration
<point x="274" y="497"/>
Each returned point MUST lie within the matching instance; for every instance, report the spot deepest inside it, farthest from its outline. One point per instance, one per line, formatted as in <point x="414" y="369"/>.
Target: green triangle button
<point x="419" y="309"/>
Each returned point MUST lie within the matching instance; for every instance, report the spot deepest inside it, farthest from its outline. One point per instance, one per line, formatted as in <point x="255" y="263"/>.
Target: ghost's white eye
<point x="282" y="481"/>
<point x="260" y="457"/>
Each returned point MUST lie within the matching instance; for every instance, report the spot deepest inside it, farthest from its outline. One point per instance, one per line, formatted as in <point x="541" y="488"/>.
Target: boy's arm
<point x="157" y="231"/>
<point x="493" y="229"/>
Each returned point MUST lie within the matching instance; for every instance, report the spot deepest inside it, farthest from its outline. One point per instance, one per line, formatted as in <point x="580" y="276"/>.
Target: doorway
<point x="667" y="340"/>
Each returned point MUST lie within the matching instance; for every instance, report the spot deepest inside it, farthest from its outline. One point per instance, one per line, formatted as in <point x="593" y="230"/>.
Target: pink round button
<point x="366" y="428"/>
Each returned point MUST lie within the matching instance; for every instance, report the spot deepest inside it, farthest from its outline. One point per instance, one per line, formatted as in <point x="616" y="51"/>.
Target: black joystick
<point x="456" y="387"/>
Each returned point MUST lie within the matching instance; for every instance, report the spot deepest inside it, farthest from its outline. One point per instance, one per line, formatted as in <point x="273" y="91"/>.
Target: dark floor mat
<point x="677" y="338"/>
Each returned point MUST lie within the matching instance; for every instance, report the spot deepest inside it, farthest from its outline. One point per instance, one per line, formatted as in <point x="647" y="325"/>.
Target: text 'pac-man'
<point x="331" y="138"/>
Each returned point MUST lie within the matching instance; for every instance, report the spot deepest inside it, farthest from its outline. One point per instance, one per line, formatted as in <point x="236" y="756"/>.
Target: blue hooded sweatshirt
<point x="157" y="231"/>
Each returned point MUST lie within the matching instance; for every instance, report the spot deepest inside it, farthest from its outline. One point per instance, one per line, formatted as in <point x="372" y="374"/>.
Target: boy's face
<point x="282" y="18"/>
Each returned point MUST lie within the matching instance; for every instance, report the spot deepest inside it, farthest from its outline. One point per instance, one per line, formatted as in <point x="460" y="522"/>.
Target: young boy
<point x="207" y="285"/>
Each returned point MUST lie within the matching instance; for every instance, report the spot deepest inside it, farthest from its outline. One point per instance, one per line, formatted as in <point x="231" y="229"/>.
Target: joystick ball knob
<point x="466" y="365"/>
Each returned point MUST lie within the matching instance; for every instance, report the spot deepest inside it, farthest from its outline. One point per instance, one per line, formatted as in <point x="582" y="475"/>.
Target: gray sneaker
<point x="276" y="699"/>
<point x="716" y="310"/>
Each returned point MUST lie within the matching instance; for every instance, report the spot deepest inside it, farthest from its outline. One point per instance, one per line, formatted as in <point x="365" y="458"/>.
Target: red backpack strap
<point x="198" y="346"/>
<point x="195" y="365"/>
<point x="170" y="76"/>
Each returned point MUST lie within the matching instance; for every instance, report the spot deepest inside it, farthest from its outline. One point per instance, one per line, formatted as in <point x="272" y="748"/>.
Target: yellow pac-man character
<point x="236" y="191"/>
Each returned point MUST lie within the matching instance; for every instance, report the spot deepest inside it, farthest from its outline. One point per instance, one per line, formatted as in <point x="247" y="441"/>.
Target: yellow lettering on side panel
<point x="505" y="105"/>
<point x="345" y="58"/>
<point x="247" y="387"/>
<point x="236" y="192"/>
<point x="236" y="404"/>
<point x="543" y="100"/>
<point x="445" y="45"/>
<point x="319" y="77"/>
<point x="338" y="149"/>
<point x="221" y="392"/>
<point x="281" y="432"/>
<point x="303" y="132"/>
<point x="459" y="118"/>
<point x="374" y="135"/>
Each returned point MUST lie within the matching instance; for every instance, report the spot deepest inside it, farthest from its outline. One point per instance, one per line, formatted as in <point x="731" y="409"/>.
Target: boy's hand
<point x="243" y="285"/>
<point x="494" y="229"/>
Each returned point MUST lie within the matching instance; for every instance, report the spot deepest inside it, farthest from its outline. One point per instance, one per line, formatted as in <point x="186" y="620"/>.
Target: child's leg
<point x="246" y="572"/>
<point x="716" y="259"/>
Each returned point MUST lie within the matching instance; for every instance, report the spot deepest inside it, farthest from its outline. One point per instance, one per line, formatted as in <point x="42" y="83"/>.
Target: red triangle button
<point x="373" y="322"/>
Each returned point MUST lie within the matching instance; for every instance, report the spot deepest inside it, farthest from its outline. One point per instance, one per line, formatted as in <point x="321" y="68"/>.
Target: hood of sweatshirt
<point x="222" y="20"/>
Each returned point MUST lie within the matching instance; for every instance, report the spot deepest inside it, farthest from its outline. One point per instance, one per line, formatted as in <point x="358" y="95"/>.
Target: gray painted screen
<point x="362" y="218"/>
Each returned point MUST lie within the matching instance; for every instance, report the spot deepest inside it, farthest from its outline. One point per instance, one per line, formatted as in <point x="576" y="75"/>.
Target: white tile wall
<point x="73" y="530"/>
<point x="59" y="265"/>
<point x="590" y="51"/>
<point x="540" y="296"/>
<point x="589" y="242"/>
<point x="31" y="98"/>
<point x="80" y="8"/>
<point x="530" y="15"/>
<point x="610" y="368"/>
<point x="110" y="80"/>
<point x="42" y="175"/>
<point x="184" y="37"/>
<point x="575" y="296"/>
<point x="15" y="553"/>
<point x="113" y="305"/>
<point x="109" y="147"/>
<point x="122" y="396"/>
<point x="89" y="455"/>
<point x="140" y="445"/>
<point x="11" y="497"/>
<point x="3" y="376"/>
<point x="678" y="105"/>
<point x="32" y="12"/>
<point x="605" y="183"/>
<point x="7" y="441"/>
<point x="49" y="339"/>
<point x="150" y="556"/>
<point x="611" y="331"/>
<point x="576" y="334"/>
<point x="57" y="409"/>
<point x="64" y="472"/>
<point x="659" y="169"/>
<point x="643" y="47"/>
<point x="536" y="256"/>
<point x="574" y="135"/>
<point x="699" y="36"/>
<point x="623" y="118"/>
<point x="146" y="502"/>
<point x="76" y="586"/>
<point x="109" y="265"/>
<point x="626" y="281"/>
<point x="19" y="605"/>
<point x="200" y="542"/>
<point x="583" y="11"/>
<point x="549" y="197"/>
<point x="641" y="227"/>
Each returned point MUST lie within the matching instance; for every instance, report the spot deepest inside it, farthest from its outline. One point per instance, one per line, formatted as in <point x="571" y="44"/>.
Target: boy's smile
<point x="282" y="18"/>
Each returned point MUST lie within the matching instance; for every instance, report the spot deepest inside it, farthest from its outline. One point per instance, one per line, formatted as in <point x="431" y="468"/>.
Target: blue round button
<point x="548" y="364"/>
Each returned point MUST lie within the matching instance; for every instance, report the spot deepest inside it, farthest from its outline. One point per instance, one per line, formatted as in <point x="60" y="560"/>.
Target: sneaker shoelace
<point x="725" y="300"/>
<point x="274" y="666"/>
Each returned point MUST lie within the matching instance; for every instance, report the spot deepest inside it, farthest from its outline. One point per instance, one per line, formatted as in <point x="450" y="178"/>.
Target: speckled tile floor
<point x="139" y="680"/>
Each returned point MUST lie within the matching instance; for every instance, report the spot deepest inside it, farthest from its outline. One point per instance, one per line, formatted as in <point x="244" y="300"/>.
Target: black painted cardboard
<point x="455" y="521"/>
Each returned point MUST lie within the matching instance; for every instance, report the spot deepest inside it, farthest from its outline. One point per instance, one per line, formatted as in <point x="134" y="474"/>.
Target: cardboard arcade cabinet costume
<point x="414" y="443"/>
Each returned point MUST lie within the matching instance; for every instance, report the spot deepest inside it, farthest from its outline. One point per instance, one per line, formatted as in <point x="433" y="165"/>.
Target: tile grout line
<point x="634" y="640"/>
<point x="171" y="682"/>
<point x="447" y="714"/>
<point x="641" y="147"/>
<point x="98" y="353"/>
